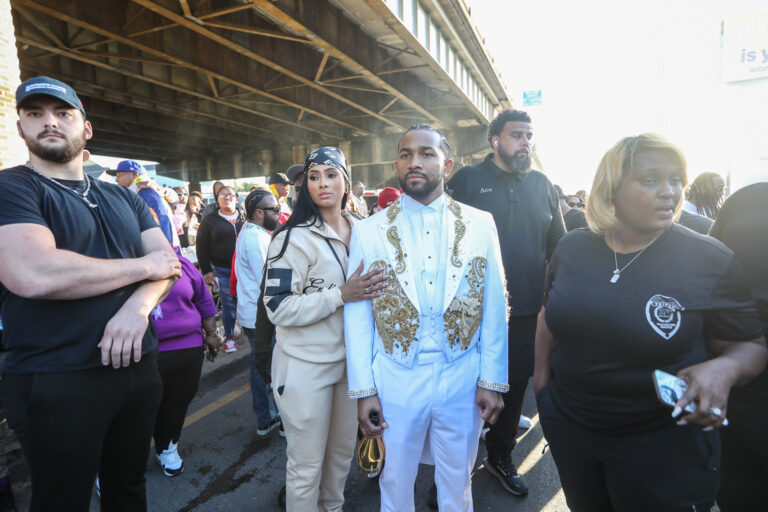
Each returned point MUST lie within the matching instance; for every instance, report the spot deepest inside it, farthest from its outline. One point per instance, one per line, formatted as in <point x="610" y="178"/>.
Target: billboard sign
<point x="531" y="98"/>
<point x="744" y="47"/>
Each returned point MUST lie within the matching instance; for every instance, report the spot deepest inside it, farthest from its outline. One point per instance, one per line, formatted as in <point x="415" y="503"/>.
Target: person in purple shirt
<point x="184" y="322"/>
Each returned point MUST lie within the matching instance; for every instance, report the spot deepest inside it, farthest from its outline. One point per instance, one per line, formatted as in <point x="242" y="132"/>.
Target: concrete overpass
<point x="236" y="88"/>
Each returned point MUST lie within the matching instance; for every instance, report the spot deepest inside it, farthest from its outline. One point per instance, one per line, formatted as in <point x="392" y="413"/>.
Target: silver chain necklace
<point x="82" y="195"/>
<point x="617" y="272"/>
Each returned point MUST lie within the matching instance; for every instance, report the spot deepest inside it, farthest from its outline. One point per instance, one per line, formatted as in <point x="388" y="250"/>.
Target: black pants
<point x="180" y="371"/>
<point x="745" y="454"/>
<point x="669" y="470"/>
<point x="73" y="425"/>
<point x="501" y="438"/>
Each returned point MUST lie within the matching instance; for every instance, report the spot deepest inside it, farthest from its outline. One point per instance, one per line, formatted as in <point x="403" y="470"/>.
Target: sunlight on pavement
<point x="556" y="504"/>
<point x="535" y="454"/>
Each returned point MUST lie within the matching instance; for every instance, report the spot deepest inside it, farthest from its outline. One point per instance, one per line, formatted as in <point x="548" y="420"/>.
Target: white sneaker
<point x="229" y="346"/>
<point x="170" y="461"/>
<point x="525" y="422"/>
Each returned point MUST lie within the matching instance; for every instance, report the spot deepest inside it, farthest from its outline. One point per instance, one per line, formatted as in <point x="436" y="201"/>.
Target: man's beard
<point x="418" y="191"/>
<point x="270" y="222"/>
<point x="58" y="154"/>
<point x="515" y="163"/>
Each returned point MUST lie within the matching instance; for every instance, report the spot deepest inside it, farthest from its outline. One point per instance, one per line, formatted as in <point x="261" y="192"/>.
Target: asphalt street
<point x="227" y="467"/>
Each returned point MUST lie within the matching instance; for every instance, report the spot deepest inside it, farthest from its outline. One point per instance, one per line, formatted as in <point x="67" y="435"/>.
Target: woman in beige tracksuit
<point x="306" y="287"/>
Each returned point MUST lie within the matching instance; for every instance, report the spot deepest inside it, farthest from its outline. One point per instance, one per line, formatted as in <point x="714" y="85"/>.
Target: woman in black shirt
<point x="633" y="294"/>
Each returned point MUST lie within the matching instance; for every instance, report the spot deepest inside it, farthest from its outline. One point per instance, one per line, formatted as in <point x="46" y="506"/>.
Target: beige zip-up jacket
<point x="302" y="295"/>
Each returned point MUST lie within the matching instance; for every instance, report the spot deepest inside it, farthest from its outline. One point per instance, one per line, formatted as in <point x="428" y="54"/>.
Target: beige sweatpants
<point x="320" y="427"/>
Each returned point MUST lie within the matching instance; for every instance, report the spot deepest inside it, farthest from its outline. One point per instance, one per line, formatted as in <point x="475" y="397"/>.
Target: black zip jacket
<point x="216" y="239"/>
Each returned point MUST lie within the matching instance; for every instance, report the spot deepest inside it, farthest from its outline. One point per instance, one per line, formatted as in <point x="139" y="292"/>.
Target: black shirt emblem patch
<point x="663" y="313"/>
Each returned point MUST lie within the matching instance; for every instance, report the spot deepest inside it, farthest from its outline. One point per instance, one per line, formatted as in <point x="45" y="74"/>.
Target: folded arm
<point x="33" y="267"/>
<point x="124" y="333"/>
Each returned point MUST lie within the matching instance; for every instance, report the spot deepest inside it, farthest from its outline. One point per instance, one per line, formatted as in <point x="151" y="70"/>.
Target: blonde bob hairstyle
<point x="618" y="161"/>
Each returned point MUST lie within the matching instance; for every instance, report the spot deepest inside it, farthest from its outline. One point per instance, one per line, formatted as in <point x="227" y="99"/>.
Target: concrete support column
<point x="13" y="151"/>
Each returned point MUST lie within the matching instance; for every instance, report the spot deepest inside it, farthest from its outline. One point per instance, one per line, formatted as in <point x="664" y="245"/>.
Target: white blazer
<point x="474" y="302"/>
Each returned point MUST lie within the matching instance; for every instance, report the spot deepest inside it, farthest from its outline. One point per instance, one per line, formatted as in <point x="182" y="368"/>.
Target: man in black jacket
<point x="525" y="207"/>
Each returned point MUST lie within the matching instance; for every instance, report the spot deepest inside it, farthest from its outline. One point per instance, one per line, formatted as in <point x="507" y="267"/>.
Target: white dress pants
<point x="431" y="404"/>
<point x="320" y="428"/>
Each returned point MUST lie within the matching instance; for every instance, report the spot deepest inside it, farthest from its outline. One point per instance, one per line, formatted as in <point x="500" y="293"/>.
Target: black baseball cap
<point x="279" y="178"/>
<point x="49" y="87"/>
<point x="293" y="172"/>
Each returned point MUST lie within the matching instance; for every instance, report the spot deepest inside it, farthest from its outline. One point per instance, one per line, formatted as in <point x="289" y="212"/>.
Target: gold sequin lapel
<point x="461" y="230"/>
<point x="397" y="320"/>
<point x="394" y="238"/>
<point x="463" y="316"/>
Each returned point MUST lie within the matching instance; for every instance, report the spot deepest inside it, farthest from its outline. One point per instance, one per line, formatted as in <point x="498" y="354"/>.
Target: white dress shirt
<point x="427" y="235"/>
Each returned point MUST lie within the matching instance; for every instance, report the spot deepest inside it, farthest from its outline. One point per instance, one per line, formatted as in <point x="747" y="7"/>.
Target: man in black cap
<point x="83" y="264"/>
<point x="280" y="186"/>
<point x="295" y="175"/>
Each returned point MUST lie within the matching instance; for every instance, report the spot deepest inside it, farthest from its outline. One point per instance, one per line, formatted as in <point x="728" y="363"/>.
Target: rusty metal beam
<point x="39" y="26"/>
<point x="153" y="51"/>
<point x="181" y="146"/>
<point x="110" y="55"/>
<point x="167" y="13"/>
<point x="185" y="8"/>
<point x="378" y="73"/>
<point x="391" y="102"/>
<point x="88" y="89"/>
<point x="287" y="22"/>
<point x="213" y="86"/>
<point x="255" y="31"/>
<point x="212" y="14"/>
<point x="321" y="67"/>
<point x="74" y="36"/>
<point x="133" y="18"/>
<point x="161" y="83"/>
<point x="156" y="127"/>
<point x="357" y="88"/>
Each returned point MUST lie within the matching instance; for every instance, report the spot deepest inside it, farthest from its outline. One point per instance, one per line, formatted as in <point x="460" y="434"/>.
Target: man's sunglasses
<point x="276" y="209"/>
<point x="576" y="205"/>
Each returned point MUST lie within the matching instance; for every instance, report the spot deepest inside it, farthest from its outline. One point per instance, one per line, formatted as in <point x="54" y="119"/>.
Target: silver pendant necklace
<point x="82" y="195"/>
<point x="617" y="272"/>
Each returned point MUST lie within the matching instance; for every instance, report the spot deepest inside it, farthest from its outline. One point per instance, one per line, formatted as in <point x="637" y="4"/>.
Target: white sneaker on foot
<point x="170" y="461"/>
<point x="229" y="346"/>
<point x="525" y="422"/>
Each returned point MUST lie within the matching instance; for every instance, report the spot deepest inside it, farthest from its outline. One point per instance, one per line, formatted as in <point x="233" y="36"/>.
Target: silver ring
<point x="715" y="411"/>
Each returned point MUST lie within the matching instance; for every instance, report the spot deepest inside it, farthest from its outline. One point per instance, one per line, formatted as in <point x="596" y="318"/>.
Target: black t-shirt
<point x="742" y="225"/>
<point x="574" y="219"/>
<point x="696" y="222"/>
<point x="609" y="337"/>
<point x="62" y="335"/>
<point x="526" y="210"/>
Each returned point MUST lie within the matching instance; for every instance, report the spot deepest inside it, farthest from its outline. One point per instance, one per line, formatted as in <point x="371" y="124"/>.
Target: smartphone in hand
<point x="669" y="389"/>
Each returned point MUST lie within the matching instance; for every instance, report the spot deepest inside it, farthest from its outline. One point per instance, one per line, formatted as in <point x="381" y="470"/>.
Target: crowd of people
<point x="419" y="319"/>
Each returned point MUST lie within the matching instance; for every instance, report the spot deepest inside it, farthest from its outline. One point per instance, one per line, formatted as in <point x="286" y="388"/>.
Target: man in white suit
<point x="429" y="355"/>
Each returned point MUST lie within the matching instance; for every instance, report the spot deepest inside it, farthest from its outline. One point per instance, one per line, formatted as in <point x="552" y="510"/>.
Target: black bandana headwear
<point x="328" y="155"/>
